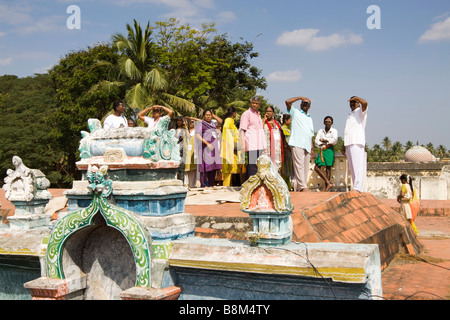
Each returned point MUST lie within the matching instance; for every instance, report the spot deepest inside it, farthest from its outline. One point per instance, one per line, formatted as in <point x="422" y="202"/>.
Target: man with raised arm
<point x="355" y="141"/>
<point x="301" y="140"/>
<point x="156" y="115"/>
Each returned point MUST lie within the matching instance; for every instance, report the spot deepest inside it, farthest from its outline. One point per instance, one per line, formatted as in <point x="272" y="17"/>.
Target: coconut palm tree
<point x="408" y="145"/>
<point x="387" y="144"/>
<point x="377" y="153"/>
<point x="138" y="72"/>
<point x="397" y="151"/>
<point x="441" y="151"/>
<point x="430" y="147"/>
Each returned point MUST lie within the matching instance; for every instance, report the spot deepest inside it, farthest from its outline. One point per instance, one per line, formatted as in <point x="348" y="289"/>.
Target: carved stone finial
<point x="265" y="184"/>
<point x="265" y="197"/>
<point x="27" y="190"/>
<point x="24" y="184"/>
<point x="98" y="180"/>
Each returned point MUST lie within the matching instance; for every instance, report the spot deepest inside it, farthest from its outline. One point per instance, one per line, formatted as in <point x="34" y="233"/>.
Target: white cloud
<point x="14" y="15"/>
<point x="22" y="21"/>
<point x="309" y="39"/>
<point x="186" y="11"/>
<point x="226" y="16"/>
<point x="5" y="62"/>
<point x="284" y="76"/>
<point x="43" y="69"/>
<point x="437" y="32"/>
<point x="46" y="24"/>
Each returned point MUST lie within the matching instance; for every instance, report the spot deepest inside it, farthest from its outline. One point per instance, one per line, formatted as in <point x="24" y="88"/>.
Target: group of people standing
<point x="291" y="145"/>
<point x="214" y="146"/>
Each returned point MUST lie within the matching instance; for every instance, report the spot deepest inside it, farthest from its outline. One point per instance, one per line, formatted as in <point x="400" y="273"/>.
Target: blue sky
<point x="323" y="50"/>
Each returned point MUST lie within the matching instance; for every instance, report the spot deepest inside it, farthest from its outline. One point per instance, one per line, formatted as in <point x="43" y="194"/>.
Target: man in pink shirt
<point x="252" y="134"/>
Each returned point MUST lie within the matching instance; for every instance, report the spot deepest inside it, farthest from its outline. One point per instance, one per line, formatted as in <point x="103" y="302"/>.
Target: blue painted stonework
<point x="152" y="206"/>
<point x="157" y="236"/>
<point x="14" y="272"/>
<point x="132" y="147"/>
<point x="200" y="284"/>
<point x="147" y="205"/>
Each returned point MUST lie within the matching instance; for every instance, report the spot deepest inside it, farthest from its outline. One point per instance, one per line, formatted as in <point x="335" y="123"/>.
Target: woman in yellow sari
<point x="232" y="160"/>
<point x="406" y="198"/>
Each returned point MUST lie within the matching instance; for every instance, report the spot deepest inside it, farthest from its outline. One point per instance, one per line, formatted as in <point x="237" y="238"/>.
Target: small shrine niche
<point x="262" y="200"/>
<point x="265" y="197"/>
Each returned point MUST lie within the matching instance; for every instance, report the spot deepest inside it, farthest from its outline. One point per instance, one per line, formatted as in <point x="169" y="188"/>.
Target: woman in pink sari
<point x="275" y="140"/>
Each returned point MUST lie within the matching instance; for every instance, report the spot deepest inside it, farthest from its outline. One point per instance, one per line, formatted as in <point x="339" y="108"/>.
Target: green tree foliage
<point x="387" y="144"/>
<point x="77" y="100"/>
<point x="139" y="72"/>
<point x="209" y="70"/>
<point x="408" y="145"/>
<point x="25" y="105"/>
<point x="442" y="151"/>
<point x="185" y="69"/>
<point x="393" y="152"/>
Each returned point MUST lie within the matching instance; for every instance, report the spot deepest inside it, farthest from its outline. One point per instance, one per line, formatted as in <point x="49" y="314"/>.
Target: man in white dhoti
<point x="355" y="141"/>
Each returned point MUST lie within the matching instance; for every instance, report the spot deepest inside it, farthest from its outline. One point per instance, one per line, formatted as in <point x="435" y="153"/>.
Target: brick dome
<point x="419" y="154"/>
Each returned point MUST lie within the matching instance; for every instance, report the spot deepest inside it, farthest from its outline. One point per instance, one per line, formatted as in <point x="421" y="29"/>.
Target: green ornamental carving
<point x="162" y="144"/>
<point x="116" y="217"/>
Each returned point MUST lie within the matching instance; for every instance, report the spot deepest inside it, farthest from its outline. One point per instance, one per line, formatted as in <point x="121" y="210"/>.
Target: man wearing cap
<point x="301" y="140"/>
<point x="355" y="141"/>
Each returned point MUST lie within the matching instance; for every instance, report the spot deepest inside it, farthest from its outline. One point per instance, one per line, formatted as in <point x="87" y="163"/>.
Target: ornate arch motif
<point x="116" y="217"/>
<point x="266" y="177"/>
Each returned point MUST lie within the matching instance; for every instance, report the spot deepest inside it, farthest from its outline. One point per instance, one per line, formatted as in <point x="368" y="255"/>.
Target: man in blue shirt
<point x="301" y="140"/>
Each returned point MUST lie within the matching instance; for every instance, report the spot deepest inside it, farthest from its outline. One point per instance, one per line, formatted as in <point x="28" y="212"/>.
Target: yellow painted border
<point x="22" y="252"/>
<point x="354" y="275"/>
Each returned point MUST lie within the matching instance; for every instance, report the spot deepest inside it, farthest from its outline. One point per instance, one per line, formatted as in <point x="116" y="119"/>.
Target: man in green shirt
<point x="301" y="140"/>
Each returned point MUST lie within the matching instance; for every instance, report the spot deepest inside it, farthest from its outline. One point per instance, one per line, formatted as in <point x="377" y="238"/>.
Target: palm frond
<point x="106" y="85"/>
<point x="127" y="68"/>
<point x="120" y="42"/>
<point x="138" y="97"/>
<point x="155" y="80"/>
<point x="238" y="104"/>
<point x="178" y="103"/>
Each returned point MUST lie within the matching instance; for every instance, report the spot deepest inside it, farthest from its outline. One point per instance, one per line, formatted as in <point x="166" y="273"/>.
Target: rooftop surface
<point x="424" y="276"/>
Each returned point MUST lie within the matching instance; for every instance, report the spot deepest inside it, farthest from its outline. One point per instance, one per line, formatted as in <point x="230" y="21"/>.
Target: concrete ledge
<point x="355" y="266"/>
<point x="141" y="293"/>
<point x="338" y="261"/>
<point x="169" y="227"/>
<point x="54" y="289"/>
<point x="405" y="166"/>
<point x="23" y="242"/>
